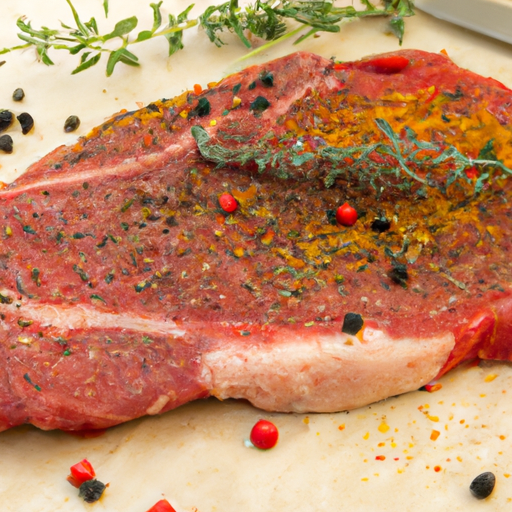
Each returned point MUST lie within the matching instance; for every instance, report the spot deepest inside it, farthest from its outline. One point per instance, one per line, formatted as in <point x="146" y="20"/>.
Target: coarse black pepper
<point x="260" y="104"/>
<point x="398" y="274"/>
<point x="18" y="94"/>
<point x="6" y="143"/>
<point x="483" y="485"/>
<point x="71" y="124"/>
<point x="26" y="121"/>
<point x="202" y="108"/>
<point x="267" y="79"/>
<point x="91" y="490"/>
<point x="6" y="118"/>
<point x="381" y="225"/>
<point x="352" y="323"/>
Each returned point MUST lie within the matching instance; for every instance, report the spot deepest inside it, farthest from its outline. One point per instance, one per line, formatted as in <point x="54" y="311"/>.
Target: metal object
<point x="490" y="17"/>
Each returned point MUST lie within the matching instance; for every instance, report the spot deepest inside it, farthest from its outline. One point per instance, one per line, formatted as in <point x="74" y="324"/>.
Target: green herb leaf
<point x="76" y="49"/>
<point x="121" y="55"/>
<point x="81" y="27"/>
<point x="144" y="35"/>
<point x="397" y="26"/>
<point x="42" y="52"/>
<point x="122" y="28"/>
<point x="87" y="64"/>
<point x="92" y="25"/>
<point x="175" y="38"/>
<point x="157" y="16"/>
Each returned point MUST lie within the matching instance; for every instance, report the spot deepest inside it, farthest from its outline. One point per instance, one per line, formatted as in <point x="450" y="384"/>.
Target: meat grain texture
<point x="125" y="290"/>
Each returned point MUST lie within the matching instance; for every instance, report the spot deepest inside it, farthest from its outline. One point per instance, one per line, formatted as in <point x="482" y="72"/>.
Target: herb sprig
<point x="266" y="20"/>
<point x="395" y="163"/>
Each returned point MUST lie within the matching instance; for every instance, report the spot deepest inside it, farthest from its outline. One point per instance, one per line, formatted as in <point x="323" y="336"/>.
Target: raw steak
<point x="126" y="290"/>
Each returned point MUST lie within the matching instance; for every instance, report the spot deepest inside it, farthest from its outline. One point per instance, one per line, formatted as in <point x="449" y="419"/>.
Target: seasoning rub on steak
<point x="126" y="290"/>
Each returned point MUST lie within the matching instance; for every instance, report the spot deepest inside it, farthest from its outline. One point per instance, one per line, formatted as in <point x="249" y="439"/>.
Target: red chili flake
<point x="434" y="94"/>
<point x="80" y="473"/>
<point x="197" y="89"/>
<point x="346" y="215"/>
<point x="380" y="457"/>
<point x="228" y="203"/>
<point x="339" y="66"/>
<point x="264" y="435"/>
<point x="437" y="469"/>
<point x="147" y="139"/>
<point x="162" y="506"/>
<point x="432" y="388"/>
<point x="472" y="173"/>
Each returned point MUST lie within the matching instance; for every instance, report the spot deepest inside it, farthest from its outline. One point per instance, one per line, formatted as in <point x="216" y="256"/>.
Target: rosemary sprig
<point x="265" y="19"/>
<point x="394" y="163"/>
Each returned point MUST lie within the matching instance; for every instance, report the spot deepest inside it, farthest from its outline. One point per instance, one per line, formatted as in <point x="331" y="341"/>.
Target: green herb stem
<point x="268" y="45"/>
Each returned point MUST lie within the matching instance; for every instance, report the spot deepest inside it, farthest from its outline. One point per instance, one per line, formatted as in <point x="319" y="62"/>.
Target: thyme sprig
<point x="396" y="162"/>
<point x="265" y="19"/>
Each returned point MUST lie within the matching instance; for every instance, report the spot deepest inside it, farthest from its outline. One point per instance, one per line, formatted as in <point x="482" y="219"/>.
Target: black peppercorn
<point x="71" y="124"/>
<point x="6" y="143"/>
<point x="6" y="118"/>
<point x="352" y="323"/>
<point x="380" y="225"/>
<point x="18" y="94"/>
<point x="91" y="490"/>
<point x="482" y="486"/>
<point x="26" y="122"/>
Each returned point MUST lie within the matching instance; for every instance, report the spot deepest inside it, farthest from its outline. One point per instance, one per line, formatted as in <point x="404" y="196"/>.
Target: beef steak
<point x="126" y="290"/>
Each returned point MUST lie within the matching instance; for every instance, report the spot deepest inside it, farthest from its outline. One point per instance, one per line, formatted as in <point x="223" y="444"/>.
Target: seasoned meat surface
<point x="126" y="290"/>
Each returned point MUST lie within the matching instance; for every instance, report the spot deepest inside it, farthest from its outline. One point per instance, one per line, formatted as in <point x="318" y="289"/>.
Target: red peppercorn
<point x="346" y="215"/>
<point x="385" y="65"/>
<point x="264" y="435"/>
<point x="228" y="203"/>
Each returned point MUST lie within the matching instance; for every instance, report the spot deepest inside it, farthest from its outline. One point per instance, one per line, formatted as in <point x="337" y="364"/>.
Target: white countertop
<point x="195" y="456"/>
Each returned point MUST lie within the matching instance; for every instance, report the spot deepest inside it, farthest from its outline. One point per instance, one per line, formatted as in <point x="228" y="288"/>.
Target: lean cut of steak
<point x="126" y="290"/>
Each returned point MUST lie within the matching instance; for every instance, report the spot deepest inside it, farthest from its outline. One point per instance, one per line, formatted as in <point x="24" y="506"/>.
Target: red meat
<point x="125" y="289"/>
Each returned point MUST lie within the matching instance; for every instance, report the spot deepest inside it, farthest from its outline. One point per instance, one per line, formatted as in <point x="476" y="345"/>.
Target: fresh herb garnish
<point x="265" y="19"/>
<point x="397" y="161"/>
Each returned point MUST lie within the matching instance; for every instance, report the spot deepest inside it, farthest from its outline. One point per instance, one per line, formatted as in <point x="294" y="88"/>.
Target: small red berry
<point x="228" y="203"/>
<point x="346" y="215"/>
<point x="264" y="435"/>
